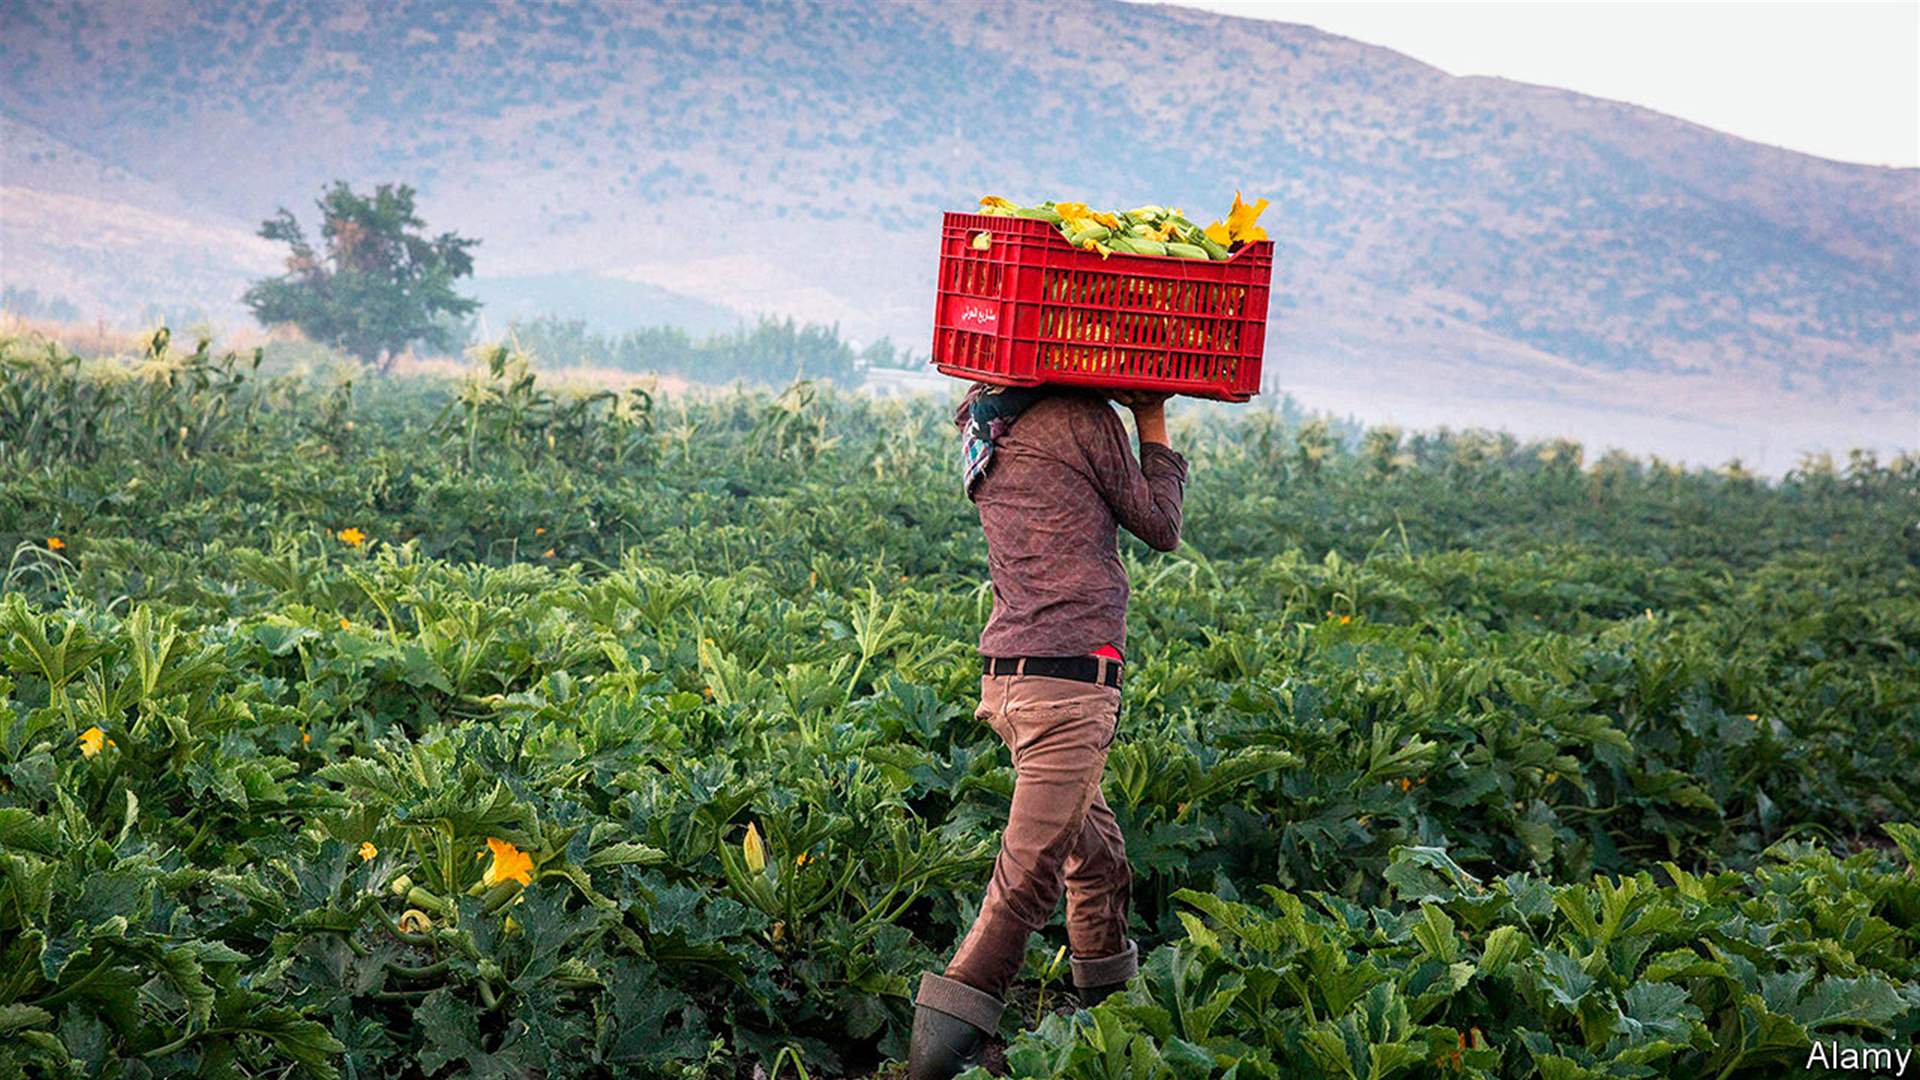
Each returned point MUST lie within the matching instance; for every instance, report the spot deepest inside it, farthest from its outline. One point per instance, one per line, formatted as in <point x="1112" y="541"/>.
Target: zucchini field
<point x="416" y="729"/>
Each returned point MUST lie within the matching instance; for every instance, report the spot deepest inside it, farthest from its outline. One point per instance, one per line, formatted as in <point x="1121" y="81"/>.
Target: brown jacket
<point x="1060" y="481"/>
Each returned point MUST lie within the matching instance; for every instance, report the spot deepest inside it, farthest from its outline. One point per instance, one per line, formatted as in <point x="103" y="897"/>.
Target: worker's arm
<point x="1144" y="494"/>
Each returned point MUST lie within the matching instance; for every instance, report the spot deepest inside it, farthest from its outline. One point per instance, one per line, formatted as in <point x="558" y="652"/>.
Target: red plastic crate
<point x="1034" y="309"/>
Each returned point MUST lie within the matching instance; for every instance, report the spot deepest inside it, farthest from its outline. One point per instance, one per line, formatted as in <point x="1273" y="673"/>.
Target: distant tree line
<point x="28" y="303"/>
<point x="773" y="351"/>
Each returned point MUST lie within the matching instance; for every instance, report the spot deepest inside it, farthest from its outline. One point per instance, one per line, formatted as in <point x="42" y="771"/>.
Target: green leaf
<point x="450" y="1030"/>
<point x="1907" y="838"/>
<point x="1504" y="945"/>
<point x="1187" y="1061"/>
<point x="27" y="833"/>
<point x="625" y="854"/>
<point x="1435" y="933"/>
<point x="1422" y="874"/>
<point x="305" y="1041"/>
<point x="550" y="929"/>
<point x="1870" y="1001"/>
<point x="1564" y="979"/>
<point x="280" y="635"/>
<point x="18" y="1017"/>
<point x="1656" y="1010"/>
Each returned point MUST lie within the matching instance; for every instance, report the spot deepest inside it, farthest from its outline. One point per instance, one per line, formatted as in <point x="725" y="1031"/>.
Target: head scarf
<point x="984" y="416"/>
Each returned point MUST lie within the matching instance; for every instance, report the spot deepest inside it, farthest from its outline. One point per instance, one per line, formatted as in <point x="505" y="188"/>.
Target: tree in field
<point x="380" y="285"/>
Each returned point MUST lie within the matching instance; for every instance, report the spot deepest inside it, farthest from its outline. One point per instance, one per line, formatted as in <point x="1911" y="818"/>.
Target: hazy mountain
<point x="1463" y="250"/>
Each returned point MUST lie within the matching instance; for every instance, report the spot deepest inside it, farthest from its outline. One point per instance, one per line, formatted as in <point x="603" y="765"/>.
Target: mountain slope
<point x="793" y="157"/>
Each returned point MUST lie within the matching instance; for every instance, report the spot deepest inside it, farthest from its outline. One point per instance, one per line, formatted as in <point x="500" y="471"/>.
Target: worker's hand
<point x="1149" y="413"/>
<point x="1138" y="399"/>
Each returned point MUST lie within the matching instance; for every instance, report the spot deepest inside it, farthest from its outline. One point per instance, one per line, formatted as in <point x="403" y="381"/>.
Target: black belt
<point x="1093" y="669"/>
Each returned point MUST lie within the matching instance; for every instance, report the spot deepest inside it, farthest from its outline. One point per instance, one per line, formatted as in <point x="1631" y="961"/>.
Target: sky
<point x="1837" y="80"/>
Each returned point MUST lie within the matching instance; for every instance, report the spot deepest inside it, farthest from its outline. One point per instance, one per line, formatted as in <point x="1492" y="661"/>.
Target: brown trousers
<point x="1060" y="834"/>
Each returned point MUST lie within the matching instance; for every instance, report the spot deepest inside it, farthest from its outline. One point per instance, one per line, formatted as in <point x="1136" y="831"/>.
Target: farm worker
<point x="1052" y="475"/>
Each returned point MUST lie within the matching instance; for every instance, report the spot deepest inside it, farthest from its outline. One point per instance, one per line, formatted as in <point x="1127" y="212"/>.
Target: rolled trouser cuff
<point x="957" y="999"/>
<point x="1107" y="970"/>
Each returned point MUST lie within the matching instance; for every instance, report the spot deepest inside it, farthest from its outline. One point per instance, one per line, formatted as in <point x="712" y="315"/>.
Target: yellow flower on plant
<point x="755" y="852"/>
<point x="1345" y="619"/>
<point x="368" y="851"/>
<point x="548" y="554"/>
<point x="306" y="737"/>
<point x="92" y="741"/>
<point x="509" y="864"/>
<point x="802" y="859"/>
<point x="352" y="537"/>
<point x="344" y="624"/>
<point x="54" y="543"/>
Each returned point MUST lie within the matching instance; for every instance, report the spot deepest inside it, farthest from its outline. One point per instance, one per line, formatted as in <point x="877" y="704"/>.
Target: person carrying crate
<point x="1053" y="477"/>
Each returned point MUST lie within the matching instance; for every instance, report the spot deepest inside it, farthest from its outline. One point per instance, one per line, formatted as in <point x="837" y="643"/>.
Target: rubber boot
<point x="1105" y="975"/>
<point x="951" y="1023"/>
<point x="1093" y="995"/>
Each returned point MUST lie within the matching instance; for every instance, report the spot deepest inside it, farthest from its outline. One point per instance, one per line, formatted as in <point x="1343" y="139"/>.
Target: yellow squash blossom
<point x="1217" y="232"/>
<point x="1240" y="220"/>
<point x="352" y="537"/>
<point x="54" y="543"/>
<point x="509" y="864"/>
<point x="92" y="741"/>
<point x="996" y="201"/>
<point x="755" y="852"/>
<point x="344" y="624"/>
<point x="368" y="851"/>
